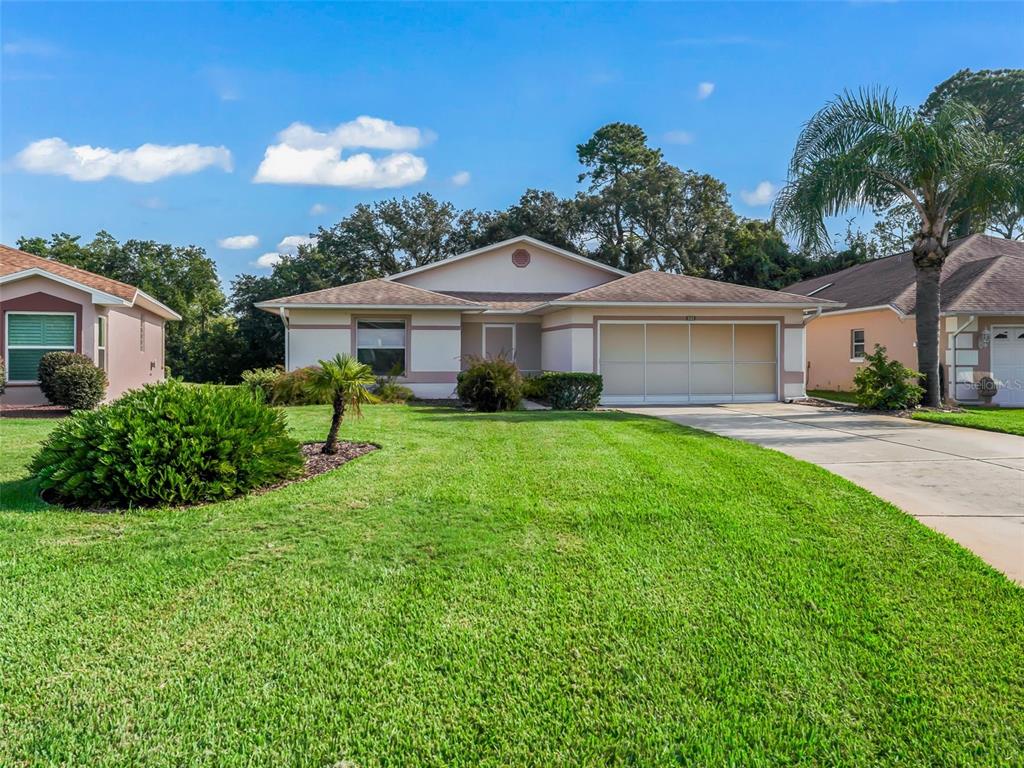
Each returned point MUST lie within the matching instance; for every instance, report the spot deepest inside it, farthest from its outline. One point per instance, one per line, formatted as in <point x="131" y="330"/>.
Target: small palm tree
<point x="345" y="381"/>
<point x="864" y="150"/>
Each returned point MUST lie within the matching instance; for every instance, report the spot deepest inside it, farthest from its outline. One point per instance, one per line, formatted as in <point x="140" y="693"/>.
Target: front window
<point x="101" y="342"/>
<point x="30" y="335"/>
<point x="381" y="345"/>
<point x="857" y="344"/>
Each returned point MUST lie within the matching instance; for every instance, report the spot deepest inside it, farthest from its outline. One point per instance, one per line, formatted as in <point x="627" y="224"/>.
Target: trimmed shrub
<point x="261" y="381"/>
<point x="534" y="387"/>
<point x="292" y="388"/>
<point x="391" y="391"/>
<point x="886" y="385"/>
<point x="567" y="391"/>
<point x="166" y="444"/>
<point x="3" y="376"/>
<point x="492" y="384"/>
<point x="49" y="364"/>
<point x="80" y="386"/>
<point x="388" y="390"/>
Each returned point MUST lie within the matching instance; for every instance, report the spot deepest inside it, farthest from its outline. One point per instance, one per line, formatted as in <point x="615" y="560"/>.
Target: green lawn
<point x="829" y="394"/>
<point x="1010" y="420"/>
<point x="537" y="588"/>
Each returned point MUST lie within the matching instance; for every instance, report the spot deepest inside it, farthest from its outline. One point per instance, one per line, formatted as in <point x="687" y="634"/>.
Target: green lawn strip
<point x="533" y="588"/>
<point x="1009" y="420"/>
<point x="828" y="394"/>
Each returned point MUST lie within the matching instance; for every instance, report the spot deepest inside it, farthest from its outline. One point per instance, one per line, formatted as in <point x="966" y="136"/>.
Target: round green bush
<point x="52" y="362"/>
<point x="491" y="384"/>
<point x="80" y="386"/>
<point x="166" y="444"/>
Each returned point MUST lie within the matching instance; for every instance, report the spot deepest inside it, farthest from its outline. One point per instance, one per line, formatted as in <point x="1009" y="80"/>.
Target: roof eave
<point x="727" y="304"/>
<point x="98" y="296"/>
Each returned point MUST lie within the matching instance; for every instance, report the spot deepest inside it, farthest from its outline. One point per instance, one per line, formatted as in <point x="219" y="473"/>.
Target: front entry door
<point x="499" y="340"/>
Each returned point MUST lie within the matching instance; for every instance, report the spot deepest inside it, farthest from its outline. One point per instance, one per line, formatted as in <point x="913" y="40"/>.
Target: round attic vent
<point x="520" y="257"/>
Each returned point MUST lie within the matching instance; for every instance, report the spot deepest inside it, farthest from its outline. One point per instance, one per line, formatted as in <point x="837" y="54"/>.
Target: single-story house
<point x="982" y="325"/>
<point x="654" y="337"/>
<point x="47" y="305"/>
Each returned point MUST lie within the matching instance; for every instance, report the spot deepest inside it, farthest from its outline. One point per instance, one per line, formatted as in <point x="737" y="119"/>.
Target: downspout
<point x="284" y="319"/>
<point x="951" y="385"/>
<point x="807" y="363"/>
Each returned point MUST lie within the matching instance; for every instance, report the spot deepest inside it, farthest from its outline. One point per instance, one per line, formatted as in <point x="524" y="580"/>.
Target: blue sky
<point x="471" y="102"/>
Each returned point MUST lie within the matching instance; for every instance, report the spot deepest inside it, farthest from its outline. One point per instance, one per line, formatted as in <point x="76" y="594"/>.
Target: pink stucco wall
<point x="828" y="345"/>
<point x="128" y="367"/>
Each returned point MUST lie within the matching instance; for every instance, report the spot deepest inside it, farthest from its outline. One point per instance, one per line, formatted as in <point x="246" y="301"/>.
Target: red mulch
<point x="317" y="463"/>
<point x="10" y="411"/>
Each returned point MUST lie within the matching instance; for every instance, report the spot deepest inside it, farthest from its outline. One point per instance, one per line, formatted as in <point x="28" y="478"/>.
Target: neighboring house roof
<point x="520" y="239"/>
<point x="16" y="265"/>
<point x="651" y="287"/>
<point x="373" y="293"/>
<point x="982" y="274"/>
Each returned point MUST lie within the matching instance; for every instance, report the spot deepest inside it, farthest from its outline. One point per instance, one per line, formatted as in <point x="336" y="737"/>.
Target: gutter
<point x="284" y="319"/>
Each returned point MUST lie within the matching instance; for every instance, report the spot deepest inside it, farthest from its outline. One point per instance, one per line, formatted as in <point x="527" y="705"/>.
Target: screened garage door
<point x="688" y="362"/>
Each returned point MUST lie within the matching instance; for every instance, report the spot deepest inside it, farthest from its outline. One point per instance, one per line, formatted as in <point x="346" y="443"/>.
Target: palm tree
<point x="345" y="381"/>
<point x="863" y="150"/>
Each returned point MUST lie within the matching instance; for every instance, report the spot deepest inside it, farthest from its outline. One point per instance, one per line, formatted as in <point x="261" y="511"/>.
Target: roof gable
<point x="520" y="265"/>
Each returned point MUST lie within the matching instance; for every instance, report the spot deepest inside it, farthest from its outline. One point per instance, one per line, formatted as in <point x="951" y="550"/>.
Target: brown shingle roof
<point x="12" y="261"/>
<point x="379" y="292"/>
<point x="511" y="302"/>
<point x="651" y="287"/>
<point x="981" y="274"/>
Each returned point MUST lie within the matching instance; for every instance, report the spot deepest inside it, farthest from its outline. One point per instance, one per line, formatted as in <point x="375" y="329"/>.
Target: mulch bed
<point x="32" y="411"/>
<point x="317" y="463"/>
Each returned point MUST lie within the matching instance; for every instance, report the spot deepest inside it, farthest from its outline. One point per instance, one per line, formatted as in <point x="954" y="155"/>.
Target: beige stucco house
<point x="654" y="337"/>
<point x="46" y="305"/>
<point x="982" y="326"/>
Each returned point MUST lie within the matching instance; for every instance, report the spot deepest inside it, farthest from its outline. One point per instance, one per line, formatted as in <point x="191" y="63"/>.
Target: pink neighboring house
<point x="982" y="323"/>
<point x="46" y="305"/>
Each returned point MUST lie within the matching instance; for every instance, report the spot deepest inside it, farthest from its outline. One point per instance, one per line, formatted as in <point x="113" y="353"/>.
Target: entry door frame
<point x="623" y="400"/>
<point x="992" y="349"/>
<point x="483" y="337"/>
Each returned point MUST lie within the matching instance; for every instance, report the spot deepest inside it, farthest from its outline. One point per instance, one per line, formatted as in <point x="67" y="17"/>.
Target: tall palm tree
<point x="863" y="150"/>
<point x="346" y="382"/>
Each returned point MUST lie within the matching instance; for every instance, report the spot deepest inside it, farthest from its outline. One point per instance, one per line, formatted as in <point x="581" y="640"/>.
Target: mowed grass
<point x="1009" y="420"/>
<point x="526" y="589"/>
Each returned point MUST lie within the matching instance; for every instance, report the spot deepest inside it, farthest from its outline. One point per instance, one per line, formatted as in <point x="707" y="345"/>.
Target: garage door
<point x="688" y="362"/>
<point x="1008" y="364"/>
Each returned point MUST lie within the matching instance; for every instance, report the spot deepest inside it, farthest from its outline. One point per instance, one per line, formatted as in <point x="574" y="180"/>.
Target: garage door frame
<point x="993" y="346"/>
<point x="690" y="397"/>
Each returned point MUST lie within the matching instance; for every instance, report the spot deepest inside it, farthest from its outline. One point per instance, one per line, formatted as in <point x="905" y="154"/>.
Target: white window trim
<point x="483" y="337"/>
<point x="101" y="320"/>
<point x="854" y="358"/>
<point x="8" y="346"/>
<point x="405" y="339"/>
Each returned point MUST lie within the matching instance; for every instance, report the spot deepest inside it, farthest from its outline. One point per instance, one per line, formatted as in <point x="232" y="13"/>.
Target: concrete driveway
<point x="965" y="483"/>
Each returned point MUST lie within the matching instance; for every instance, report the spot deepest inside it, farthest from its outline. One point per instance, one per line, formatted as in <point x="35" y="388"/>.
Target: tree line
<point x="634" y="211"/>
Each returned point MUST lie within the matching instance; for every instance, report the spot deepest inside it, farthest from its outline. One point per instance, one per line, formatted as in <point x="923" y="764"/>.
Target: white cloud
<point x="316" y="209"/>
<point x="239" y="242"/>
<point x="147" y="163"/>
<point x="679" y="137"/>
<point x="268" y="260"/>
<point x="291" y="243"/>
<point x="304" y="155"/>
<point x="704" y="90"/>
<point x="30" y="47"/>
<point x="461" y="178"/>
<point x="763" y="194"/>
